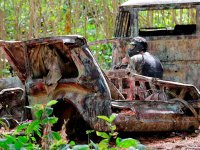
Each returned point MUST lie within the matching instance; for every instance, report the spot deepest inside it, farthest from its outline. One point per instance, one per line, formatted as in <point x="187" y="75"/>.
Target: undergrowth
<point x="37" y="135"/>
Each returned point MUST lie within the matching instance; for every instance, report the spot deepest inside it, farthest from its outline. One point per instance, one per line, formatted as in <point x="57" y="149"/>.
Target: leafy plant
<point x="107" y="136"/>
<point x="120" y="143"/>
<point x="24" y="135"/>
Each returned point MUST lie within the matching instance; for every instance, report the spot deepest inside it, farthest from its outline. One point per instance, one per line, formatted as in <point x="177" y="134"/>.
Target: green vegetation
<point x="167" y="18"/>
<point x="120" y="143"/>
<point x="24" y="136"/>
<point x="27" y="135"/>
<point x="93" y="19"/>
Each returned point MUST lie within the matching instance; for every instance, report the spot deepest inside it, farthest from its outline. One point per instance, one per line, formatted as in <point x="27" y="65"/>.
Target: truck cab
<point x="172" y="30"/>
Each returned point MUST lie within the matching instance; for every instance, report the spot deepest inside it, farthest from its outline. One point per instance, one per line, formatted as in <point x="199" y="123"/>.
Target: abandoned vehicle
<point x="64" y="69"/>
<point x="172" y="30"/>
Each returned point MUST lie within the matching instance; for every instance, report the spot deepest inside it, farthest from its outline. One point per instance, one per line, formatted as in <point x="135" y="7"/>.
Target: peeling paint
<point x="84" y="91"/>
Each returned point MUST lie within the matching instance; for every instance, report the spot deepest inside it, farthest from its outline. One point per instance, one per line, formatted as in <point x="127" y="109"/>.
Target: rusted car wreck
<point x="64" y="69"/>
<point x="172" y="29"/>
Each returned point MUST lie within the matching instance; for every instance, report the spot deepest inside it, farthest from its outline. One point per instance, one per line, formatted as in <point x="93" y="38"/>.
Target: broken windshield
<point x="167" y="22"/>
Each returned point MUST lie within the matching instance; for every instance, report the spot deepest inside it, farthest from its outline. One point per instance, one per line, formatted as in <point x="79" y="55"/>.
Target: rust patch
<point x="84" y="91"/>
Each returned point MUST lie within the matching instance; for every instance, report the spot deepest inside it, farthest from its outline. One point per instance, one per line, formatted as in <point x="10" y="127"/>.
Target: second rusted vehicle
<point x="64" y="69"/>
<point x="172" y="29"/>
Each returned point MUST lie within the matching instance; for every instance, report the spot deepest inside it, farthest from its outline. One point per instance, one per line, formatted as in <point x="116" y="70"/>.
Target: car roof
<point x="141" y="3"/>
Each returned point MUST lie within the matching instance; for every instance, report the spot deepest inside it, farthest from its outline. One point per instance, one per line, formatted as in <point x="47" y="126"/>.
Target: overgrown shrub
<point x="37" y="134"/>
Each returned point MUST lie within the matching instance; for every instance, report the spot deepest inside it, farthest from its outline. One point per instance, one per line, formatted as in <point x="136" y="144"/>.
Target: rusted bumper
<point x="147" y="116"/>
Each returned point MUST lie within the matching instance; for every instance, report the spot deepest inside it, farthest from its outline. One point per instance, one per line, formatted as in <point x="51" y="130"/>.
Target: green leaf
<point x="103" y="145"/>
<point x="50" y="120"/>
<point x="35" y="124"/>
<point x="105" y="141"/>
<point x="18" y="145"/>
<point x="112" y="118"/>
<point x="10" y="139"/>
<point x="89" y="131"/>
<point x="39" y="113"/>
<point x="104" y="118"/>
<point x="5" y="71"/>
<point x="112" y="148"/>
<point x="52" y="102"/>
<point x="56" y="136"/>
<point x="38" y="132"/>
<point x="33" y="139"/>
<point x="80" y="147"/>
<point x="118" y="140"/>
<point x="126" y="143"/>
<point x="113" y="127"/>
<point x="72" y="143"/>
<point x="38" y="107"/>
<point x="103" y="135"/>
<point x="22" y="139"/>
<point x="48" y="111"/>
<point x="4" y="146"/>
<point x="21" y="127"/>
<point x="109" y="120"/>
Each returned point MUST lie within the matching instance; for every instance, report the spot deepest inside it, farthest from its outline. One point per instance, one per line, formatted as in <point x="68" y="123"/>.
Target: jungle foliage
<point x="37" y="134"/>
<point x="27" y="19"/>
<point x="93" y="19"/>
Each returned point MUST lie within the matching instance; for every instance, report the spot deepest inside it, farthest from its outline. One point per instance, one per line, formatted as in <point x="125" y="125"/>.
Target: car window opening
<point x="167" y="22"/>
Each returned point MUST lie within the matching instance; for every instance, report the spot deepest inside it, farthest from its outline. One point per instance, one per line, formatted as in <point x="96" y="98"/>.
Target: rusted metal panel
<point x="153" y="104"/>
<point x="12" y="106"/>
<point x="10" y="82"/>
<point x="11" y="101"/>
<point x="137" y="87"/>
<point x="63" y="68"/>
<point x="19" y="64"/>
<point x="180" y="57"/>
<point x="84" y="91"/>
<point x="153" y="116"/>
<point x="180" y="48"/>
<point x="178" y="52"/>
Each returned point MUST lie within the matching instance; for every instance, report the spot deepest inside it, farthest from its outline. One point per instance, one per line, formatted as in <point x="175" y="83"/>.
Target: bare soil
<point x="172" y="141"/>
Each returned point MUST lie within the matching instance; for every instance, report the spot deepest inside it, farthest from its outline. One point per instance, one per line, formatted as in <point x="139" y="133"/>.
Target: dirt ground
<point x="172" y="141"/>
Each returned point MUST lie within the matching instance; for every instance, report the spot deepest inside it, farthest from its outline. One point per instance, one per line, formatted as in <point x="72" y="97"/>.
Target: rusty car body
<point x="174" y="40"/>
<point x="12" y="102"/>
<point x="63" y="68"/>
